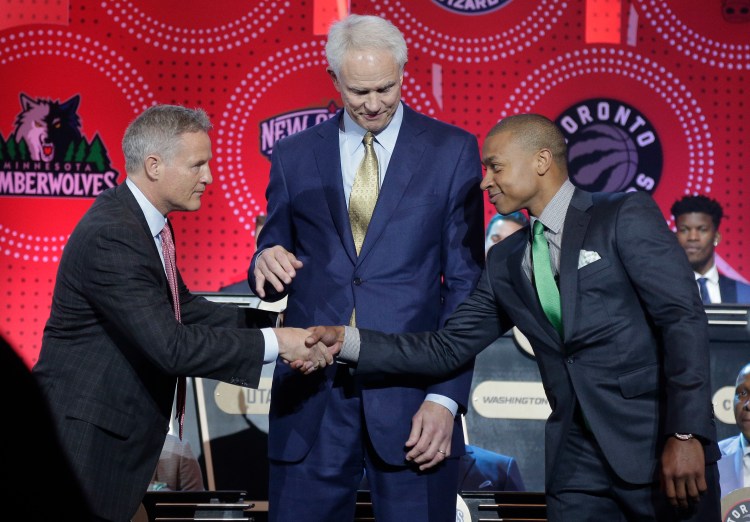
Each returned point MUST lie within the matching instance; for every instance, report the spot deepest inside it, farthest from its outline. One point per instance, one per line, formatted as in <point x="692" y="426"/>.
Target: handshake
<point x="309" y="349"/>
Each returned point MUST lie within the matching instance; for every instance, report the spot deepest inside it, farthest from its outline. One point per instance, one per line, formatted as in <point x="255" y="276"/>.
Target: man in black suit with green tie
<point x="621" y="343"/>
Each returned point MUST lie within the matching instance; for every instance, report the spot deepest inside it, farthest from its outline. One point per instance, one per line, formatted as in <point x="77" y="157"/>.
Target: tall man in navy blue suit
<point x="421" y="256"/>
<point x="631" y="435"/>
<point x="697" y="219"/>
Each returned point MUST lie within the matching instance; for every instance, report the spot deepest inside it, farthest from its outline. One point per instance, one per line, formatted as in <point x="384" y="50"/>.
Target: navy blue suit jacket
<point x="484" y="470"/>
<point x="733" y="291"/>
<point x="112" y="350"/>
<point x="634" y="352"/>
<point x="422" y="255"/>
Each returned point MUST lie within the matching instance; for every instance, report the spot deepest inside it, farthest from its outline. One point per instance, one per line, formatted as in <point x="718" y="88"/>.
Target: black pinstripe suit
<point x="112" y="350"/>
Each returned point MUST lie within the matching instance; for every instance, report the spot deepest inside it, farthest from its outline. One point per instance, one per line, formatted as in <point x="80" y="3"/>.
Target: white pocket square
<point x="586" y="257"/>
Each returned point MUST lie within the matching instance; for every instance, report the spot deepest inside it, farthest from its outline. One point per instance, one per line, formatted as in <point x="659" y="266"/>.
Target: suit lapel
<point x="524" y="286"/>
<point x="405" y="161"/>
<point x="328" y="161"/>
<point x="126" y="197"/>
<point x="727" y="289"/>
<point x="574" y="231"/>
<point x="522" y="283"/>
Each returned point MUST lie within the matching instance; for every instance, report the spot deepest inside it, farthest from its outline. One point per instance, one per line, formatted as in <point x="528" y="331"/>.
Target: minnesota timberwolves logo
<point x="46" y="154"/>
<point x="471" y="6"/>
<point x="282" y="125"/>
<point x="611" y="147"/>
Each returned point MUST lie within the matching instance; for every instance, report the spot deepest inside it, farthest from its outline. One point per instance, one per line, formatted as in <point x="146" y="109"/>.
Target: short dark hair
<point x="535" y="132"/>
<point x="701" y="204"/>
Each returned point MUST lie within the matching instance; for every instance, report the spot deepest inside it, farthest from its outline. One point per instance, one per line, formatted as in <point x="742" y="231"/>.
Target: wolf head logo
<point x="48" y="127"/>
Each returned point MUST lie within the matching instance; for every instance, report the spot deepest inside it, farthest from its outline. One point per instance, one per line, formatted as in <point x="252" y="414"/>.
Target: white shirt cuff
<point x="271" y="345"/>
<point x="443" y="401"/>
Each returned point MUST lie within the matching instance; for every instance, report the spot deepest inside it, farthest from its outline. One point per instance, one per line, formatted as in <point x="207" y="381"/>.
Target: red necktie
<point x="167" y="247"/>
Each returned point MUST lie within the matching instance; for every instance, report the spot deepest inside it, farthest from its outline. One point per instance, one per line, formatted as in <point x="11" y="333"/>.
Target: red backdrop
<point x="257" y="66"/>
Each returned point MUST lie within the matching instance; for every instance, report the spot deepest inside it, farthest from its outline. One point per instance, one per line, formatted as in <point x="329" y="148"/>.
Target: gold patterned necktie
<point x="170" y="267"/>
<point x="544" y="279"/>
<point x="364" y="195"/>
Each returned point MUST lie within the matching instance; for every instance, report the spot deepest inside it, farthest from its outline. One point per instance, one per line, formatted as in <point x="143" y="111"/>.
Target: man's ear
<point x="543" y="161"/>
<point x="153" y="166"/>
<point x="335" y="79"/>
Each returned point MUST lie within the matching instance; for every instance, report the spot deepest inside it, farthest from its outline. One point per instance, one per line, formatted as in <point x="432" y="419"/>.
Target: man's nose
<point x="372" y="103"/>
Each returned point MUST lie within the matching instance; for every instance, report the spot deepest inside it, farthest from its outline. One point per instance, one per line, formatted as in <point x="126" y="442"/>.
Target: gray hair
<point x="535" y="132"/>
<point x="157" y="131"/>
<point x="360" y="32"/>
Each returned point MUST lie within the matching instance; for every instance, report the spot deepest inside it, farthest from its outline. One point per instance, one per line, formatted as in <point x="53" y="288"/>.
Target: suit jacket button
<point x="570" y="360"/>
<point x="357" y="281"/>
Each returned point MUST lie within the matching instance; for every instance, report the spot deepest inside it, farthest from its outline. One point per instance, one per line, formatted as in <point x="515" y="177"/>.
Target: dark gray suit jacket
<point x="635" y="346"/>
<point x="112" y="351"/>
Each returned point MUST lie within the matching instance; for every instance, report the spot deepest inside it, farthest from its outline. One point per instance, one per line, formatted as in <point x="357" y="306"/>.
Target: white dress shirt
<point x="712" y="283"/>
<point x="156" y="222"/>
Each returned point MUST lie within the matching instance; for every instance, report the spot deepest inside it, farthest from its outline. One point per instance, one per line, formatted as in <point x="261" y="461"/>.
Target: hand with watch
<point x="683" y="477"/>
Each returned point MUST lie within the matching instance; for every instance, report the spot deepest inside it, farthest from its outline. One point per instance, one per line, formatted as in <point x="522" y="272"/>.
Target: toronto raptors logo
<point x="612" y="147"/>
<point x="738" y="511"/>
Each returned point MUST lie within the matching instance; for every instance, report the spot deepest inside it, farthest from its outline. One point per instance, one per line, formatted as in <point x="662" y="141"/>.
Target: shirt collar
<point x="553" y="215"/>
<point x="744" y="444"/>
<point x="712" y="275"/>
<point x="154" y="218"/>
<point x="387" y="137"/>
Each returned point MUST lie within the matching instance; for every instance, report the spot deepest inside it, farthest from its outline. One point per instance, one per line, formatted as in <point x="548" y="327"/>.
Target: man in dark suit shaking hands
<point x="121" y="330"/>
<point x="622" y="349"/>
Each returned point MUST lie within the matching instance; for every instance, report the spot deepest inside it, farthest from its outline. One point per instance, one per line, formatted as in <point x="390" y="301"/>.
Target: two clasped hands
<point x="304" y="350"/>
<point x="307" y="350"/>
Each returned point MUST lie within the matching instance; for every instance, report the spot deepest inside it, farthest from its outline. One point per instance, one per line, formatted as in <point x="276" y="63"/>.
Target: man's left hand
<point x="431" y="434"/>
<point x="683" y="471"/>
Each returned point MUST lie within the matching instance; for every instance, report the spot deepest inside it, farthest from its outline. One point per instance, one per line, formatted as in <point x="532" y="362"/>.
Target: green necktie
<point x="544" y="279"/>
<point x="364" y="195"/>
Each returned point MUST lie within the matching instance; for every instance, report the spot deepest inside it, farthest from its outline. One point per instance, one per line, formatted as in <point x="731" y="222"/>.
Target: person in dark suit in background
<point x="480" y="469"/>
<point x="113" y="346"/>
<point x="622" y="348"/>
<point x="177" y="469"/>
<point x="501" y="226"/>
<point x="734" y="464"/>
<point x="484" y="470"/>
<point x="421" y="255"/>
<point x="697" y="220"/>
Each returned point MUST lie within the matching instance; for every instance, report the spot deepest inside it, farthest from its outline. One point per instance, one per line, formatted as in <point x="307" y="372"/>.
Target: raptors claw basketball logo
<point x="611" y="147"/>
<point x="46" y="154"/>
